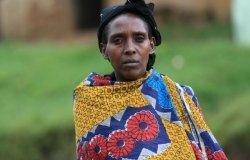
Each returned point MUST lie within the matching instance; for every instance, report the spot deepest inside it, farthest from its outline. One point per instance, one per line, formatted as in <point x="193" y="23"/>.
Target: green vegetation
<point x="37" y="80"/>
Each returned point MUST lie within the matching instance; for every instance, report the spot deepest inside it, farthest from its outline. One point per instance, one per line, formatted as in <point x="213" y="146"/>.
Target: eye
<point x="139" y="38"/>
<point x="117" y="40"/>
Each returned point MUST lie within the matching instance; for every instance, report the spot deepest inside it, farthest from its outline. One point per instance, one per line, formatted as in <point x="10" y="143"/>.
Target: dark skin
<point x="128" y="46"/>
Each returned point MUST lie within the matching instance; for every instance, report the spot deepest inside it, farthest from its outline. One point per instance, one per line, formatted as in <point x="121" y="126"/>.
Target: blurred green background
<point x="37" y="77"/>
<point x="37" y="80"/>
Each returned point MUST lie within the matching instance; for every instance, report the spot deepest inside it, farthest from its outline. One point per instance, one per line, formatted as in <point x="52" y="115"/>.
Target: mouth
<point x="130" y="63"/>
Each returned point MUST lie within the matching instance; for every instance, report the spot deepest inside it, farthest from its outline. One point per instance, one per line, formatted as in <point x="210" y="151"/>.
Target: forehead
<point x="127" y="21"/>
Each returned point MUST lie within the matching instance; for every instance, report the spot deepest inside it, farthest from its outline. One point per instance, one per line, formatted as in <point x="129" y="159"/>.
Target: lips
<point x="130" y="63"/>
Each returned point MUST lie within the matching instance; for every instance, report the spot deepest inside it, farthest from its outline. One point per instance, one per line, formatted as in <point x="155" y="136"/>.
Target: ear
<point x="152" y="45"/>
<point x="103" y="48"/>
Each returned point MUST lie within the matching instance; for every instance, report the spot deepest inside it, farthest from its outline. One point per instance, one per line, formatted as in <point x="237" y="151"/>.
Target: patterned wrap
<point x="150" y="118"/>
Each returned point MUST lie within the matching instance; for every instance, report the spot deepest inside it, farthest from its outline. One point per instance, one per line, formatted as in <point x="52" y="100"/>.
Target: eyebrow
<point x="134" y="33"/>
<point x="140" y="32"/>
<point x="116" y="35"/>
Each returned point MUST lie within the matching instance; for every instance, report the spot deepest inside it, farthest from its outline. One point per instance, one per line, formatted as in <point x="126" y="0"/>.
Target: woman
<point x="135" y="112"/>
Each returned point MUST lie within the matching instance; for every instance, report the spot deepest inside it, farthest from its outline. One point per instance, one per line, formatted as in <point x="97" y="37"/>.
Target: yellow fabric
<point x="95" y="104"/>
<point x="197" y="116"/>
<point x="180" y="148"/>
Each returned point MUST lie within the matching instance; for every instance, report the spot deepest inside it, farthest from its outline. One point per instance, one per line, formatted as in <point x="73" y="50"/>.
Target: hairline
<point x="104" y="39"/>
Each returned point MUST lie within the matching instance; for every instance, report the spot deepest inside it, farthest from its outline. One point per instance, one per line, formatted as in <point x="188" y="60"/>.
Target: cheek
<point x="109" y="52"/>
<point x="146" y="54"/>
<point x="146" y="58"/>
<point x="113" y="54"/>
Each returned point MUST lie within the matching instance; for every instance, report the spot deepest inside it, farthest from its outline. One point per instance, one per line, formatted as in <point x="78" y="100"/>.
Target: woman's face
<point x="128" y="46"/>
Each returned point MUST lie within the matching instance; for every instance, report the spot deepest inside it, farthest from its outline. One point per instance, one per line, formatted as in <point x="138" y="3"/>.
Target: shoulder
<point x="182" y="89"/>
<point x="82" y="86"/>
<point x="188" y="95"/>
<point x="190" y="92"/>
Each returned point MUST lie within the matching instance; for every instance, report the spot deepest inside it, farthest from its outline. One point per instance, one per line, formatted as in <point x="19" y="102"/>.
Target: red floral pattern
<point x="197" y="151"/>
<point x="143" y="126"/>
<point x="218" y="155"/>
<point x="120" y="144"/>
<point x="101" y="81"/>
<point x="83" y="151"/>
<point x="98" y="147"/>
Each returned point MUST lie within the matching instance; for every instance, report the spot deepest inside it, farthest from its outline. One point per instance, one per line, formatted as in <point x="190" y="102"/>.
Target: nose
<point x="129" y="47"/>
